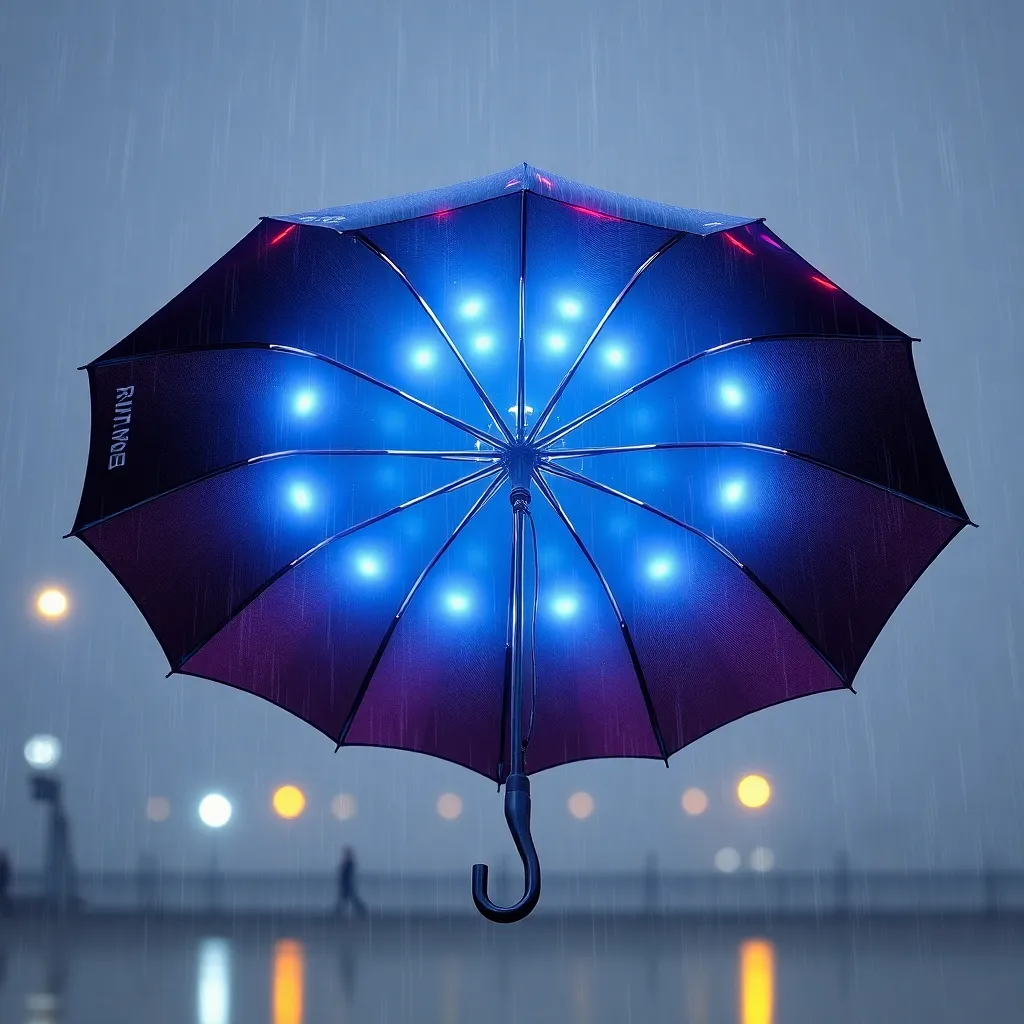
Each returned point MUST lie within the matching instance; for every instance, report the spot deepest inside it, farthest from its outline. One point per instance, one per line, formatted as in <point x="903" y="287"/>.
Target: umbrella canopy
<point x="722" y="475"/>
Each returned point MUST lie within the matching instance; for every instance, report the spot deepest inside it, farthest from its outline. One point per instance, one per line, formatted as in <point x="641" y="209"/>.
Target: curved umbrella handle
<point x="517" y="814"/>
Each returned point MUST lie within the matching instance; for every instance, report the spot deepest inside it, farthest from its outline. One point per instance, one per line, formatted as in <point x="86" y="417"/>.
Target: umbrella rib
<point x="521" y="358"/>
<point x="293" y="351"/>
<point x="568" y="474"/>
<point x="623" y="627"/>
<point x="726" y="346"/>
<point x="560" y="390"/>
<point x="393" y="625"/>
<point x="569" y="453"/>
<point x="477" y="387"/>
<point x="480" y="474"/>
<point x="452" y="456"/>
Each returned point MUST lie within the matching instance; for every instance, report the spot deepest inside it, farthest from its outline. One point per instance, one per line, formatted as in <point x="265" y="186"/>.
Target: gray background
<point x="881" y="139"/>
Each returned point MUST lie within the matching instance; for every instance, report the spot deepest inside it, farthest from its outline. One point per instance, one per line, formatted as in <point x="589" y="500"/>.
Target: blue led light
<point x="301" y="497"/>
<point x="471" y="308"/>
<point x="305" y="402"/>
<point x="659" y="568"/>
<point x="569" y="308"/>
<point x="423" y="358"/>
<point x="615" y="357"/>
<point x="368" y="565"/>
<point x="732" y="492"/>
<point x="564" y="606"/>
<point x="456" y="602"/>
<point x="732" y="395"/>
<point x="483" y="343"/>
<point x="556" y="343"/>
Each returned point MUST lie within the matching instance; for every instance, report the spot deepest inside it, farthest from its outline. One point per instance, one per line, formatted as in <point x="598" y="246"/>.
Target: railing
<point x="650" y="892"/>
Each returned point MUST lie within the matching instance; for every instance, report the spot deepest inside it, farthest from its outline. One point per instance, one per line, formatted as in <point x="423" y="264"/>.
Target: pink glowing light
<point x="592" y="213"/>
<point x="284" y="234"/>
<point x="514" y="181"/>
<point x="770" y="241"/>
<point x="825" y="284"/>
<point x="738" y="244"/>
<point x="544" y="181"/>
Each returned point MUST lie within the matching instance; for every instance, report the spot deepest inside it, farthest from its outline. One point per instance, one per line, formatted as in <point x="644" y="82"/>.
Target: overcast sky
<point x="880" y="138"/>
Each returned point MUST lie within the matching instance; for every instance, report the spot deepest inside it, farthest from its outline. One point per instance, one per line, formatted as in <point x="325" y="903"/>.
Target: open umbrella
<point x="301" y="467"/>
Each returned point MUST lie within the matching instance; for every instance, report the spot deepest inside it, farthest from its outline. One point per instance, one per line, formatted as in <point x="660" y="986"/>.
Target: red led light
<point x="825" y="284"/>
<point x="738" y="244"/>
<point x="592" y="213"/>
<point x="543" y="180"/>
<point x="284" y="234"/>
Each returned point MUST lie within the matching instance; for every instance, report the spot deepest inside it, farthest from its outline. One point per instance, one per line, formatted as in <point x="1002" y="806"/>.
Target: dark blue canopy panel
<point x="299" y="470"/>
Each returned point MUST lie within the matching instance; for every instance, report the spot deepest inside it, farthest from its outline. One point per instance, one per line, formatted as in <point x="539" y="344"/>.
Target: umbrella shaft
<point x="515" y="695"/>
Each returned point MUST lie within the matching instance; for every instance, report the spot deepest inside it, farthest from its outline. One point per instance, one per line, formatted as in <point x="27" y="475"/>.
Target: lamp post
<point x="43" y="755"/>
<point x="214" y="812"/>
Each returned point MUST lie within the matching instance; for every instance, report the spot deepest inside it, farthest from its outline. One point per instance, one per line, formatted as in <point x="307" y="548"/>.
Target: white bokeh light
<point x="565" y="606"/>
<point x="557" y="343"/>
<point x="52" y="603"/>
<point x="424" y="358"/>
<point x="728" y="860"/>
<point x="762" y="859"/>
<point x="472" y="308"/>
<point x="43" y="752"/>
<point x="368" y="565"/>
<point x="569" y="308"/>
<point x="615" y="357"/>
<point x="659" y="568"/>
<point x="483" y="343"/>
<point x="456" y="602"/>
<point x="214" y="810"/>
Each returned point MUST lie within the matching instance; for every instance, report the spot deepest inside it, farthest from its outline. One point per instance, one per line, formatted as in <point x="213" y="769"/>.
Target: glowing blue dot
<point x="471" y="308"/>
<point x="659" y="568"/>
<point x="732" y="492"/>
<point x="615" y="357"/>
<point x="423" y="358"/>
<point x="732" y="396"/>
<point x="305" y="402"/>
<point x="557" y="342"/>
<point x="301" y="497"/>
<point x="569" y="308"/>
<point x="368" y="566"/>
<point x="456" y="602"/>
<point x="483" y="343"/>
<point x="564" y="606"/>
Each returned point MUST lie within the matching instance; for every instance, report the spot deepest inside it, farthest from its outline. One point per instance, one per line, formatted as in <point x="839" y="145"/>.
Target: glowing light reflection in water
<point x="289" y="981"/>
<point x="757" y="982"/>
<point x="213" y="982"/>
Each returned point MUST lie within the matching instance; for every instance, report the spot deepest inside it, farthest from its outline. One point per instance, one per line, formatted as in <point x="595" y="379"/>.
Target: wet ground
<point x="546" y="970"/>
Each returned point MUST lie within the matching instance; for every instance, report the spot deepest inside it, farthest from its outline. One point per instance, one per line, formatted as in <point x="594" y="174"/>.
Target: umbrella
<point x="722" y="477"/>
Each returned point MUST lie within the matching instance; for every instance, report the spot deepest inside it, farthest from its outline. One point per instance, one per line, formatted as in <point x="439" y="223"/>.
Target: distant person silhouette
<point x="5" y="882"/>
<point x="348" y="894"/>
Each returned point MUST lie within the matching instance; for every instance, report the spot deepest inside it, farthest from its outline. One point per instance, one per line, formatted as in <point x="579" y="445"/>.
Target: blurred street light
<point x="695" y="801"/>
<point x="753" y="791"/>
<point x="43" y="752"/>
<point x="289" y="802"/>
<point x="214" y="810"/>
<point x="52" y="603"/>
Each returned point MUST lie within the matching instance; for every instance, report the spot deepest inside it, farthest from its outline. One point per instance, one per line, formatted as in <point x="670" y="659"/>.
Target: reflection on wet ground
<point x="581" y="971"/>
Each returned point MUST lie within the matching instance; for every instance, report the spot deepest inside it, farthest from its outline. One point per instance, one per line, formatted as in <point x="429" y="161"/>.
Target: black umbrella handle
<point x="517" y="814"/>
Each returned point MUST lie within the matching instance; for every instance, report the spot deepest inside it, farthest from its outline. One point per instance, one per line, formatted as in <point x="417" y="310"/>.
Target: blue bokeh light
<point x="565" y="606"/>
<point x="457" y="602"/>
<point x="423" y="358"/>
<point x="471" y="308"/>
<point x="732" y="492"/>
<point x="368" y="565"/>
<point x="305" y="402"/>
<point x="659" y="568"/>
<point x="483" y="343"/>
<point x="569" y="308"/>
<point x="615" y="357"/>
<point x="557" y="343"/>
<point x="732" y="395"/>
<point x="301" y="497"/>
